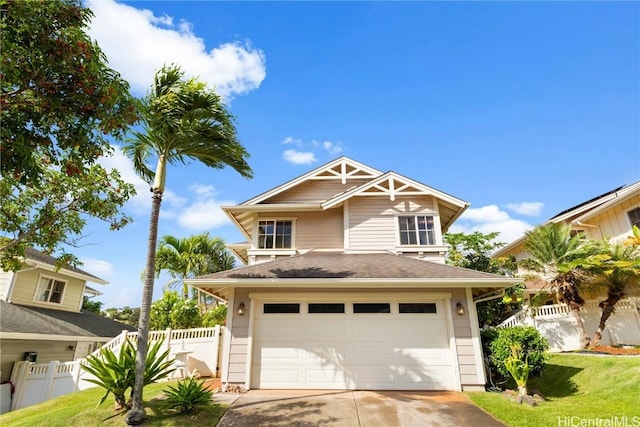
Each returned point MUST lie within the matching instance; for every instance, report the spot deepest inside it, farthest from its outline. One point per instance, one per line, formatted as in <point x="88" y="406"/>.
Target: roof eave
<point x="66" y="272"/>
<point x="354" y="283"/>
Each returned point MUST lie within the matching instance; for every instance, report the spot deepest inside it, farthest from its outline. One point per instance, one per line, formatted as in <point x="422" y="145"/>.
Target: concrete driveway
<point x="354" y="409"/>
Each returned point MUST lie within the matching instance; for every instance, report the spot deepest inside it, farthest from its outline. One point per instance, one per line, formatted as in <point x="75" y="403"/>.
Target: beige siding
<point x="462" y="325"/>
<point x="372" y="220"/>
<point x="319" y="230"/>
<point x="614" y="223"/>
<point x="13" y="351"/>
<point x="27" y="282"/>
<point x="5" y="283"/>
<point x="314" y="191"/>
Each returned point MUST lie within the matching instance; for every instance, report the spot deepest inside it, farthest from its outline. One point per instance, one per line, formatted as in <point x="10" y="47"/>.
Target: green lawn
<point x="79" y="409"/>
<point x="578" y="389"/>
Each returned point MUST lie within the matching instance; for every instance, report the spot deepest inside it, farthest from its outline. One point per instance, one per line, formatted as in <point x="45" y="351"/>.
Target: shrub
<point x="532" y="347"/>
<point x="116" y="374"/>
<point x="187" y="396"/>
<point x="215" y="316"/>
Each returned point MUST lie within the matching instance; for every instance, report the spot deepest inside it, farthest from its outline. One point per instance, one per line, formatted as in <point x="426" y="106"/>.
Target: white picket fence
<point x="192" y="349"/>
<point x="559" y="327"/>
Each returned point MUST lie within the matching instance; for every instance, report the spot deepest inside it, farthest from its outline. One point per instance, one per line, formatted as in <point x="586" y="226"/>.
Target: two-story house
<point x="41" y="317"/>
<point x="610" y="216"/>
<point x="346" y="287"/>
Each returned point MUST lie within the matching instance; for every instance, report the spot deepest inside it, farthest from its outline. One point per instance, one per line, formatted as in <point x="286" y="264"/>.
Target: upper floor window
<point x="634" y="217"/>
<point x="50" y="290"/>
<point x="417" y="230"/>
<point x="275" y="234"/>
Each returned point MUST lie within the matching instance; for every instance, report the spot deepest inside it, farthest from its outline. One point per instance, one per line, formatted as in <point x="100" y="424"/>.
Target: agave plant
<point x="116" y="373"/>
<point x="187" y="396"/>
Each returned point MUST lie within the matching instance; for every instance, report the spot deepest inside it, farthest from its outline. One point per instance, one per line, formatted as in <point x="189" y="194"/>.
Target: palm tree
<point x="182" y="121"/>
<point x="191" y="257"/>
<point x="562" y="261"/>
<point x="618" y="274"/>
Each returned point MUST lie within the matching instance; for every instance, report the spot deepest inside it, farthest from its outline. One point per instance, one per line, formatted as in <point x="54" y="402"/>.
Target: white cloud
<point x="138" y="43"/>
<point x="489" y="219"/>
<point x="526" y="208"/>
<point x="299" y="157"/>
<point x="97" y="267"/>
<point x="203" y="190"/>
<point x="291" y="140"/>
<point x="332" y="147"/>
<point x="204" y="215"/>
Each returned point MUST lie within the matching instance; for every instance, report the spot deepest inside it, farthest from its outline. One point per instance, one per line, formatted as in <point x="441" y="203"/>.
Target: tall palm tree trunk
<point x="137" y="414"/>
<point x="607" y="307"/>
<point x="574" y="309"/>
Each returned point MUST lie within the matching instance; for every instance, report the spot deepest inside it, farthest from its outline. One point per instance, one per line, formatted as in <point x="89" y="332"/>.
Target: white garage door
<point x="352" y="344"/>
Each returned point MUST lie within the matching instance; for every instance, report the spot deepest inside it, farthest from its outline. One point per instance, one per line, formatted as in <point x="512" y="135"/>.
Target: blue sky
<point x="521" y="109"/>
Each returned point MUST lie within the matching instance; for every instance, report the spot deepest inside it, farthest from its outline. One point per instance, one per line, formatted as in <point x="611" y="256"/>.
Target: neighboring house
<point x="346" y="287"/>
<point x="41" y="317"/>
<point x="609" y="216"/>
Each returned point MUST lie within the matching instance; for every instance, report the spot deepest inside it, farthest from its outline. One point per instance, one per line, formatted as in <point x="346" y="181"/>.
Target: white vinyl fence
<point x="559" y="327"/>
<point x="192" y="349"/>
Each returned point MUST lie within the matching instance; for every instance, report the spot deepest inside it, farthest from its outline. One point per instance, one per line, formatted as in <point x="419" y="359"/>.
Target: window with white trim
<point x="417" y="230"/>
<point x="50" y="290"/>
<point x="275" y="234"/>
<point x="634" y="217"/>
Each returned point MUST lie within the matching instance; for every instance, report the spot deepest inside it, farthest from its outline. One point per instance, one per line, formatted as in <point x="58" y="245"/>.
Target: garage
<point x="352" y="343"/>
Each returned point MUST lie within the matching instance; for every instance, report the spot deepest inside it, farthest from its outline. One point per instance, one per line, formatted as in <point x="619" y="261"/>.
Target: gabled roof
<point x="393" y="184"/>
<point x="37" y="258"/>
<point x="583" y="211"/>
<point x="341" y="168"/>
<point x="21" y="319"/>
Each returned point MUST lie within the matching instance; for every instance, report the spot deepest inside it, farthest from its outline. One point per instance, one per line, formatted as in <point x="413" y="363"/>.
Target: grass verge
<point x="578" y="389"/>
<point x="79" y="409"/>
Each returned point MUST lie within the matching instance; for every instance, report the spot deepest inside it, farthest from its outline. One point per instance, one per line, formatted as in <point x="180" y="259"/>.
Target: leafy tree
<point x="563" y="261"/>
<point x="90" y="305"/>
<point x="191" y="257"/>
<point x="182" y="121"/>
<point x="126" y="315"/>
<point x="215" y="316"/>
<point x="473" y="251"/>
<point x="173" y="312"/>
<point x="60" y="100"/>
<point x="60" y="104"/>
<point x="56" y="209"/>
<point x="618" y="273"/>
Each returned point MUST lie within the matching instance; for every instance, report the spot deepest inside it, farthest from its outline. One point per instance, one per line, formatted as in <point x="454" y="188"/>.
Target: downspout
<point x="582" y="224"/>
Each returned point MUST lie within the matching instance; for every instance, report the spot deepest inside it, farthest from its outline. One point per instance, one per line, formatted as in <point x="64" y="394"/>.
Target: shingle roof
<point x="319" y="265"/>
<point x="38" y="256"/>
<point x="35" y="320"/>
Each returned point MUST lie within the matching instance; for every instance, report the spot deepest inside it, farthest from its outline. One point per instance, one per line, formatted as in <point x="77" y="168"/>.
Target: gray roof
<point x="38" y="256"/>
<point x="36" y="320"/>
<point x="318" y="265"/>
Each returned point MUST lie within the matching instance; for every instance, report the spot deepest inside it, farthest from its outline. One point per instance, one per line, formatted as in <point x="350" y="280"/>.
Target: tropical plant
<point x="634" y="239"/>
<point x="182" y="121"/>
<point x="529" y="342"/>
<point x="215" y="316"/>
<point x="518" y="366"/>
<point x="173" y="312"/>
<point x="618" y="273"/>
<point x="188" y="396"/>
<point x="473" y="251"/>
<point x="116" y="374"/>
<point x="191" y="257"/>
<point x="563" y="261"/>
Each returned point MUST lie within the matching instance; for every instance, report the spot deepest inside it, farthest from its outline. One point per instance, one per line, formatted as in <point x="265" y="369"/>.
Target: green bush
<point x="116" y="374"/>
<point x="187" y="396"/>
<point x="215" y="316"/>
<point x="531" y="344"/>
